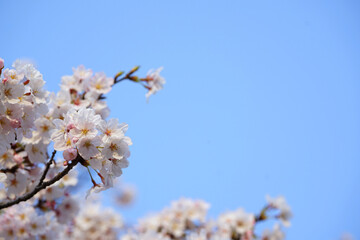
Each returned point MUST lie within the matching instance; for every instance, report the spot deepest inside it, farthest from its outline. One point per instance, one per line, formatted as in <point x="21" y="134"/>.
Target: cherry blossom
<point x="37" y="188"/>
<point x="285" y="210"/>
<point x="155" y="81"/>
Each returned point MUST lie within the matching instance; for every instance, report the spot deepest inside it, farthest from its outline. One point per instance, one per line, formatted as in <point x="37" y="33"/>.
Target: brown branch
<point x="262" y="215"/>
<point x="47" y="167"/>
<point x="43" y="185"/>
<point x="127" y="76"/>
<point x="10" y="170"/>
<point x="117" y="79"/>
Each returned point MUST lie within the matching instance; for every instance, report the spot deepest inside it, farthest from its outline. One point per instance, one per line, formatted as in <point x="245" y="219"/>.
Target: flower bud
<point x="18" y="158"/>
<point x="14" y="123"/>
<point x="1" y="63"/>
<point x="69" y="127"/>
<point x="134" y="69"/>
<point x="75" y="140"/>
<point x="70" y="154"/>
<point x="119" y="74"/>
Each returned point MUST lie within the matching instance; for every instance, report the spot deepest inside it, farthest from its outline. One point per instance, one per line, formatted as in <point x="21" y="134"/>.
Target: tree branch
<point x="43" y="185"/>
<point x="117" y="79"/>
<point x="47" y="167"/>
<point x="11" y="170"/>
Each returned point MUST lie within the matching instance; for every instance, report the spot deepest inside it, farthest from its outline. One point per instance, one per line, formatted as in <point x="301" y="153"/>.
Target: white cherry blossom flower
<point x="16" y="183"/>
<point x="112" y="128"/>
<point x="44" y="127"/>
<point x="7" y="159"/>
<point x="285" y="210"/>
<point x="60" y="111"/>
<point x="176" y="219"/>
<point x="36" y="152"/>
<point x="70" y="179"/>
<point x="68" y="208"/>
<point x="81" y="73"/>
<point x="26" y="67"/>
<point x="37" y="90"/>
<point x="8" y="232"/>
<point x="275" y="234"/>
<point x="85" y="122"/>
<point x="12" y="90"/>
<point x="53" y="192"/>
<point x="88" y="146"/>
<point x="62" y="98"/>
<point x="70" y="82"/>
<point x="61" y="133"/>
<point x="155" y="81"/>
<point x="5" y="125"/>
<point x="11" y="75"/>
<point x="115" y="148"/>
<point x="94" y="222"/>
<point x="13" y="111"/>
<point x="99" y="83"/>
<point x="37" y="225"/>
<point x="237" y="221"/>
<point x="125" y="194"/>
<point x="114" y="166"/>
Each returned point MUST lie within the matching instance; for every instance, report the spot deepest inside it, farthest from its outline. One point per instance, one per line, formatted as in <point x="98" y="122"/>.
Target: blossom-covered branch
<point x="74" y="120"/>
<point x="186" y="219"/>
<point x="43" y="185"/>
<point x="36" y="194"/>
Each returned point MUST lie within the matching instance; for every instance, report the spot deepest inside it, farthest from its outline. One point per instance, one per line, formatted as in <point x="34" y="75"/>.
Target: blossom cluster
<point x="102" y="144"/>
<point x="186" y="219"/>
<point x="24" y="222"/>
<point x="58" y="214"/>
<point x="93" y="223"/>
<point x="46" y="215"/>
<point x="24" y="127"/>
<point x="72" y="121"/>
<point x="37" y="188"/>
<point x="176" y="219"/>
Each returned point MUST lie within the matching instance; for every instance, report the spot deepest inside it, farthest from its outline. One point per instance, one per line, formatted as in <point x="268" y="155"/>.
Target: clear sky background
<point x="262" y="97"/>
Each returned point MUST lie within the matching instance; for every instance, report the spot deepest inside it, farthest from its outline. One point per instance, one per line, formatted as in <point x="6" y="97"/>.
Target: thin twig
<point x="42" y="186"/>
<point x="127" y="76"/>
<point x="121" y="79"/>
<point x="116" y="80"/>
<point x="47" y="167"/>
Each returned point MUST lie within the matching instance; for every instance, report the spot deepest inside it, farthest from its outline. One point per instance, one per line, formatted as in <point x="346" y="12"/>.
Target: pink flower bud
<point x="1" y="63"/>
<point x="14" y="123"/>
<point x="69" y="127"/>
<point x="70" y="154"/>
<point x="18" y="158"/>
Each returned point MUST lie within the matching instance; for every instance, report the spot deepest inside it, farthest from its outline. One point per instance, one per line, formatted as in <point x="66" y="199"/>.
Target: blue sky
<point x="262" y="97"/>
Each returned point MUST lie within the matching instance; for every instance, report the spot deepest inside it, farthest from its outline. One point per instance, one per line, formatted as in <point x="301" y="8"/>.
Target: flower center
<point x="113" y="147"/>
